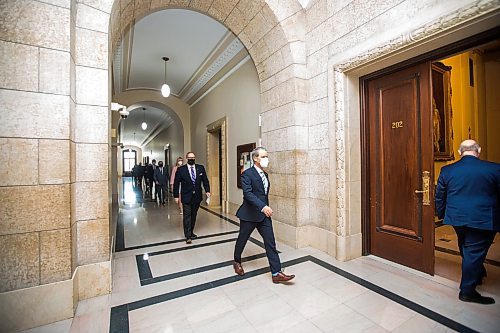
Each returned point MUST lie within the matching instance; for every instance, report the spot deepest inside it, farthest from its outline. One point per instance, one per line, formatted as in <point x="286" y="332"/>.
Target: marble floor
<point x="161" y="284"/>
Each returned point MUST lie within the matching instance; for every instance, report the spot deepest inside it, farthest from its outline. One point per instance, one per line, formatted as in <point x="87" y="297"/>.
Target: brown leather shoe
<point x="282" y="277"/>
<point x="188" y="241"/>
<point x="238" y="269"/>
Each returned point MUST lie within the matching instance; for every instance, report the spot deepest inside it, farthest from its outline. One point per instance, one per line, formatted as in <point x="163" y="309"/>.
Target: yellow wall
<point x="468" y="104"/>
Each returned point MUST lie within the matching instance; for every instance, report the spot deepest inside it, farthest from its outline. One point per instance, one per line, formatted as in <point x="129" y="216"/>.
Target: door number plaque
<point x="397" y="124"/>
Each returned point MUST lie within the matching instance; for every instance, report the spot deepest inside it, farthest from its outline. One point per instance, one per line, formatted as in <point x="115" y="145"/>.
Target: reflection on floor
<point x="160" y="284"/>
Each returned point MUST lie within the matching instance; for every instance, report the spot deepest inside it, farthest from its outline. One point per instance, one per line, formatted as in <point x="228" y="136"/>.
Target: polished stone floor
<point x="160" y="284"/>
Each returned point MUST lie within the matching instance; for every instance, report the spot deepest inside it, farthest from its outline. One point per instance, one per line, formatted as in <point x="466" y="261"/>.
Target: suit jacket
<point x="160" y="177"/>
<point x="468" y="194"/>
<point x="189" y="191"/>
<point x="254" y="196"/>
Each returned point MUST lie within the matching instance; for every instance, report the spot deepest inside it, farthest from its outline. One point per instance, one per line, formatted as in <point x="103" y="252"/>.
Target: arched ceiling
<point x="199" y="49"/>
<point x="157" y="120"/>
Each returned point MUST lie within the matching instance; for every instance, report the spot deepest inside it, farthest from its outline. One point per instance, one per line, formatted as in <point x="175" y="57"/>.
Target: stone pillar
<point x="35" y="237"/>
<point x="90" y="151"/>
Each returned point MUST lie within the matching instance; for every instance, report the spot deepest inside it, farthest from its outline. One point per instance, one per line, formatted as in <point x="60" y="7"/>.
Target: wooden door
<point x="400" y="161"/>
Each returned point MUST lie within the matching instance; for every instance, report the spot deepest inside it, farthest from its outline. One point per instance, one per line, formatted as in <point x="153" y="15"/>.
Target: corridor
<point x="160" y="284"/>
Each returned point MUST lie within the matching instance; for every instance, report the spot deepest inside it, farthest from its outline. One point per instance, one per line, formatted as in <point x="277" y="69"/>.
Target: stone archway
<point x="274" y="36"/>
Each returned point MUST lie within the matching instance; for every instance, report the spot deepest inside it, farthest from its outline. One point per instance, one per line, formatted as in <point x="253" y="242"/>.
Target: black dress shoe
<point x="194" y="236"/>
<point x="475" y="297"/>
<point x="188" y="241"/>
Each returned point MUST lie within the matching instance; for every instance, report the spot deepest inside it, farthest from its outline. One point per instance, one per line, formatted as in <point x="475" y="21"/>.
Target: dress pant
<point x="190" y="211"/>
<point x="160" y="194"/>
<point x="265" y="229"/>
<point x="473" y="244"/>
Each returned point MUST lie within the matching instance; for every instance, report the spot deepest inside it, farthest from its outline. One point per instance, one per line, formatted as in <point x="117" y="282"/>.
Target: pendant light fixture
<point x="165" y="89"/>
<point x="144" y="125"/>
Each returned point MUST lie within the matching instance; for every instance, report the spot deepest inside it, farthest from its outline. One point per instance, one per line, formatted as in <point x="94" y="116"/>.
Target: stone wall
<point x="35" y="237"/>
<point x="54" y="137"/>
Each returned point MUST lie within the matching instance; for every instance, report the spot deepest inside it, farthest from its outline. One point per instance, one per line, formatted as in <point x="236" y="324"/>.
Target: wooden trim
<point x="365" y="170"/>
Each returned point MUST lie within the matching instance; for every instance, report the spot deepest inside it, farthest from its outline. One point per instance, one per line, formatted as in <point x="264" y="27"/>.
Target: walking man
<point x="161" y="176"/>
<point x="468" y="198"/>
<point x="190" y="177"/>
<point x="256" y="213"/>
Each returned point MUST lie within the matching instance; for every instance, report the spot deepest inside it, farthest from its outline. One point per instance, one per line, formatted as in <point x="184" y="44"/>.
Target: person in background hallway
<point x="134" y="173"/>
<point x="178" y="163"/>
<point x="160" y="177"/>
<point x="140" y="175"/>
<point x="154" y="193"/>
<point x="468" y="198"/>
<point x="149" y="178"/>
<point x="255" y="212"/>
<point x="188" y="178"/>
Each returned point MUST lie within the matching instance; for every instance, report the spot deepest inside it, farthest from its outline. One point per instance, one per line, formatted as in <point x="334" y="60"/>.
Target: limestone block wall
<point x="54" y="136"/>
<point x="344" y="38"/>
<point x="35" y="235"/>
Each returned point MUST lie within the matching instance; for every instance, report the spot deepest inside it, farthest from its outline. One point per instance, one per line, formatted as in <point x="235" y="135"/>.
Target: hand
<point x="267" y="211"/>
<point x="208" y="194"/>
<point x="157" y="183"/>
<point x="176" y="200"/>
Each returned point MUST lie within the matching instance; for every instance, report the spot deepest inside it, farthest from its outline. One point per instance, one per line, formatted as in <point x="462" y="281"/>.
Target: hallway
<point x="160" y="284"/>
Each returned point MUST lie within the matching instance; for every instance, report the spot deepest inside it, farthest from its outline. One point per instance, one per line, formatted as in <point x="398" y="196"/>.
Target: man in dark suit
<point x="190" y="177"/>
<point x="468" y="198"/>
<point x="255" y="212"/>
<point x="160" y="176"/>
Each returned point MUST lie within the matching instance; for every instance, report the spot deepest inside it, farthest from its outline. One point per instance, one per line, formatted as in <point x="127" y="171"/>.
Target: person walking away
<point x="468" y="198"/>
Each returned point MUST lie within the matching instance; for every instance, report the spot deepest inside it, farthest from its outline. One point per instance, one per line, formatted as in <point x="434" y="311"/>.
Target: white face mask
<point x="179" y="163"/>
<point x="264" y="162"/>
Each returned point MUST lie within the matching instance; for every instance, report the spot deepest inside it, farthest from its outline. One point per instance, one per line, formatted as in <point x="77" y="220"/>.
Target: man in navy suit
<point x="160" y="175"/>
<point x="255" y="212"/>
<point x="190" y="177"/>
<point x="468" y="198"/>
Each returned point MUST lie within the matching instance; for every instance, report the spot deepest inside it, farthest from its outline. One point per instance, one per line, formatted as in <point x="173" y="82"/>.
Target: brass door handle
<point x="426" y="200"/>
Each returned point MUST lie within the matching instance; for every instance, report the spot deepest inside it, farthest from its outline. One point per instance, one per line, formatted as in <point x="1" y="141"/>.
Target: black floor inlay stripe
<point x="220" y="215"/>
<point x="119" y="314"/>
<point x="181" y="240"/>
<point x="457" y="253"/>
<point x="144" y="269"/>
<point x="197" y="270"/>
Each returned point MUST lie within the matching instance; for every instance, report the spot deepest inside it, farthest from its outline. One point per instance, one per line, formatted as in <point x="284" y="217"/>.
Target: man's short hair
<point x="255" y="153"/>
<point x="190" y="152"/>
<point x="464" y="146"/>
<point x="153" y="161"/>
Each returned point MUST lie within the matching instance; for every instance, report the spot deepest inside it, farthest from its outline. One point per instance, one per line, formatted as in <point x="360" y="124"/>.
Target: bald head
<point x="469" y="147"/>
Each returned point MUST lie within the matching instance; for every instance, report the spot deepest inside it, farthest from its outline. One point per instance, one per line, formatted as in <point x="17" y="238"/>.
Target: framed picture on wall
<point x="442" y="112"/>
<point x="244" y="160"/>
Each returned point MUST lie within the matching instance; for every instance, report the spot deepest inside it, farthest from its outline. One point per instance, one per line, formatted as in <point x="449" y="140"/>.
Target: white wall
<point x="238" y="99"/>
<point x="173" y="135"/>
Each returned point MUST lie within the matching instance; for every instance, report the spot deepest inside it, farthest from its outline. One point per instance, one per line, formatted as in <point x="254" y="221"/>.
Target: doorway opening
<point x="217" y="163"/>
<point x="414" y="116"/>
<point x="466" y="105"/>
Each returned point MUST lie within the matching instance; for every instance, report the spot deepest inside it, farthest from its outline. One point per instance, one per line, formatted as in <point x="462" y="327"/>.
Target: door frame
<point x="219" y="125"/>
<point x="434" y="55"/>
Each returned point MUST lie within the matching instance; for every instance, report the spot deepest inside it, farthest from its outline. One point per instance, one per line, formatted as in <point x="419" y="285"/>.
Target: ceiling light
<point x="165" y="89"/>
<point x="144" y="125"/>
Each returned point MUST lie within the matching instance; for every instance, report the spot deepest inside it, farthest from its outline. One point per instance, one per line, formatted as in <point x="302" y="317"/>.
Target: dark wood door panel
<point x="398" y="112"/>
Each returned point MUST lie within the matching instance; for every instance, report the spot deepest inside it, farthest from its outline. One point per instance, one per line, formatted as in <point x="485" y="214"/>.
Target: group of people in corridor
<point x="467" y="198"/>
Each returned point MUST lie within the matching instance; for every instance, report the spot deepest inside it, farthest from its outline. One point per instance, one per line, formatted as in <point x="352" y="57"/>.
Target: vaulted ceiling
<point x="200" y="49"/>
